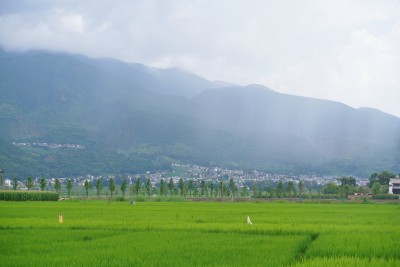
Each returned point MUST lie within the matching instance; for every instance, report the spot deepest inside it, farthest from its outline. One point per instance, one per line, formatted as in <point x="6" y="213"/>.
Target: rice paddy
<point x="95" y="233"/>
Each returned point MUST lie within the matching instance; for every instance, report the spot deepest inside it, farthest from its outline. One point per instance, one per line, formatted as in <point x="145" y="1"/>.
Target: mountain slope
<point x="131" y="118"/>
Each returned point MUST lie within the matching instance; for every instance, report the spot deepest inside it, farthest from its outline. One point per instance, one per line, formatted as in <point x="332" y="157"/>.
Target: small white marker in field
<point x="248" y="220"/>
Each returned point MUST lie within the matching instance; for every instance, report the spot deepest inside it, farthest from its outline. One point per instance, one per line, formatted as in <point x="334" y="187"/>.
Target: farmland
<point x="95" y="233"/>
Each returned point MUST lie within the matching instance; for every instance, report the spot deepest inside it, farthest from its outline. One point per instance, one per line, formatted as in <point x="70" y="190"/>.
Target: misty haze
<point x="178" y="115"/>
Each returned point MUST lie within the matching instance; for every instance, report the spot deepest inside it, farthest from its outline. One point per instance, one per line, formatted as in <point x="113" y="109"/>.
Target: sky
<point x="343" y="50"/>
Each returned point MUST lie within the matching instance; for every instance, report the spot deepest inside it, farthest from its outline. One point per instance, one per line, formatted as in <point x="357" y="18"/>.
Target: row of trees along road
<point x="378" y="184"/>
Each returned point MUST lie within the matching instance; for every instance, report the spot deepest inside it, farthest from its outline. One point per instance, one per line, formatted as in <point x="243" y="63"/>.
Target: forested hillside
<point x="130" y="118"/>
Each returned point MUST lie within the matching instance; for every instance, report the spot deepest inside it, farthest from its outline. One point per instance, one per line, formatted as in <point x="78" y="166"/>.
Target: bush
<point x="386" y="196"/>
<point x="119" y="198"/>
<point x="28" y="196"/>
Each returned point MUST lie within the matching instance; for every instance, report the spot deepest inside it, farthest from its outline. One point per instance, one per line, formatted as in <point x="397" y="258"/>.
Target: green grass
<point x="95" y="233"/>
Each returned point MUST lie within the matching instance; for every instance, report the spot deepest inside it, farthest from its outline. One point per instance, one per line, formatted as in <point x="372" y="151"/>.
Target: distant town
<point x="200" y="173"/>
<point x="49" y="145"/>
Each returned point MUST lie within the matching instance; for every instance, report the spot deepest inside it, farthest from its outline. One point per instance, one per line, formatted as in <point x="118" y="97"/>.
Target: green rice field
<point x="95" y="233"/>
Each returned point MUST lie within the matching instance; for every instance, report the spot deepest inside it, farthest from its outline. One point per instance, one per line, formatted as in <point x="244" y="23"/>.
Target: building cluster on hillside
<point x="49" y="145"/>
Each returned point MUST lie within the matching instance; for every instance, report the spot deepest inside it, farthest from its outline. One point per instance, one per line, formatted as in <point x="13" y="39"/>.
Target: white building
<point x="7" y="182"/>
<point x="394" y="186"/>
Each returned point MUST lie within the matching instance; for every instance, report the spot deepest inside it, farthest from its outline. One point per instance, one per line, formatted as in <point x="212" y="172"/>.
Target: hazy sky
<point x="348" y="51"/>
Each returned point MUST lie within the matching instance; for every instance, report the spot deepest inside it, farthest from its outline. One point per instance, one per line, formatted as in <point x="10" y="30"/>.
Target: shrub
<point x="386" y="196"/>
<point x="28" y="196"/>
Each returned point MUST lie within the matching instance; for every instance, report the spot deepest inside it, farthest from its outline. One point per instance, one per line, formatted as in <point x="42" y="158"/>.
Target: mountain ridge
<point x="158" y="117"/>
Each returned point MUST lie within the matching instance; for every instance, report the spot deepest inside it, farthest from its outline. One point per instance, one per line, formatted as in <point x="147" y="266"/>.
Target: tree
<point x="162" y="187"/>
<point x="87" y="187"/>
<point x="348" y="180"/>
<point x="111" y="186"/>
<point x="254" y="193"/>
<point x="57" y="186"/>
<point x="330" y="188"/>
<point x="290" y="189"/>
<point x="148" y="187"/>
<point x="99" y="187"/>
<point x="69" y="187"/>
<point x="137" y="186"/>
<point x="245" y="191"/>
<point x="196" y="192"/>
<point x="301" y="188"/>
<point x="171" y="186"/>
<point x="29" y="183"/>
<point x="373" y="178"/>
<point x="232" y="187"/>
<point x="181" y="186"/>
<point x="271" y="191"/>
<point x="345" y="190"/>
<point x="42" y="183"/>
<point x="221" y="188"/>
<point x="203" y="188"/>
<point x="211" y="185"/>
<point x="384" y="177"/>
<point x="384" y="189"/>
<point x="132" y="189"/>
<point x="123" y="187"/>
<point x="279" y="189"/>
<point x="376" y="188"/>
<point x="15" y="183"/>
<point x="190" y="187"/>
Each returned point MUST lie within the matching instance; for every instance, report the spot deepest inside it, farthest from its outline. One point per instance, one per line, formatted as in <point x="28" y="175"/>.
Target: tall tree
<point x="221" y="188"/>
<point x="137" y="185"/>
<point x="254" y="190"/>
<point x="190" y="187"/>
<point x="181" y="185"/>
<point x="232" y="187"/>
<point x="162" y="187"/>
<point x="211" y="186"/>
<point x="301" y="188"/>
<point x="69" y="187"/>
<point x="15" y="183"/>
<point x="279" y="189"/>
<point x="245" y="191"/>
<point x="132" y="189"/>
<point x="203" y="188"/>
<point x="111" y="186"/>
<point x="42" y="184"/>
<point x="290" y="188"/>
<point x="1" y="177"/>
<point x="148" y="187"/>
<point x="87" y="187"/>
<point x="99" y="187"/>
<point x="29" y="183"/>
<point x="171" y="186"/>
<point x="57" y="186"/>
<point x="123" y="187"/>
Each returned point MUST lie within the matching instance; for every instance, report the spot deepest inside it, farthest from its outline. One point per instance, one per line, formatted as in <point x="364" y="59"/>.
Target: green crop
<point x="95" y="233"/>
<point x="28" y="196"/>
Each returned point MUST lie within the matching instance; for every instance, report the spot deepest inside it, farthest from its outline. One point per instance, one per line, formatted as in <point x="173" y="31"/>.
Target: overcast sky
<point x="347" y="51"/>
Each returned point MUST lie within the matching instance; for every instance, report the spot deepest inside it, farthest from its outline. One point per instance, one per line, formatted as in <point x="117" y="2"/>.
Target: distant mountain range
<point x="130" y="118"/>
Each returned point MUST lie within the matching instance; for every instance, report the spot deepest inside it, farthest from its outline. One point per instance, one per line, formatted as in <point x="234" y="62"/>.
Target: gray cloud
<point x="340" y="50"/>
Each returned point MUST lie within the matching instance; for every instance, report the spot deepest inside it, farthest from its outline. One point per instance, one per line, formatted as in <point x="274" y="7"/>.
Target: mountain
<point x="130" y="118"/>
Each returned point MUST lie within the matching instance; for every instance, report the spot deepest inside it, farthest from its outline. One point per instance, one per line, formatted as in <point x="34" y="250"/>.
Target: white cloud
<point x="340" y="50"/>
